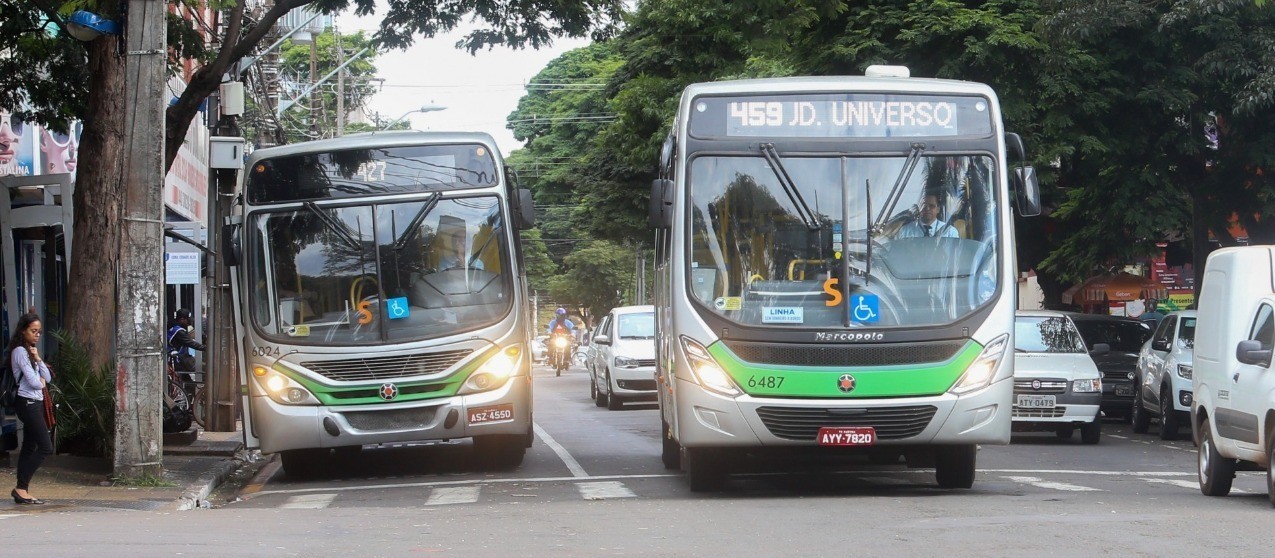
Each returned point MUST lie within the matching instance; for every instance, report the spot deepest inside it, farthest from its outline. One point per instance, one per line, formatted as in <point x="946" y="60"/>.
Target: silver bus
<point x="378" y="297"/>
<point x="835" y="273"/>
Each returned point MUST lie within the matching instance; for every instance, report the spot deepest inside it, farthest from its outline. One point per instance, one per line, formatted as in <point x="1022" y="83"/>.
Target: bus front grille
<point x="845" y="355"/>
<point x="386" y="368"/>
<point x="803" y="423"/>
<point x="399" y="419"/>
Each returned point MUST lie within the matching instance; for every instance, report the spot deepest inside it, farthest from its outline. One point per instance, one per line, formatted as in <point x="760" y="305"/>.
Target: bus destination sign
<point x="840" y="115"/>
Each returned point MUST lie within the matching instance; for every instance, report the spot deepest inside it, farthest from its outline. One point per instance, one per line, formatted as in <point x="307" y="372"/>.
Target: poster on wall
<point x="17" y="152"/>
<point x="59" y="152"/>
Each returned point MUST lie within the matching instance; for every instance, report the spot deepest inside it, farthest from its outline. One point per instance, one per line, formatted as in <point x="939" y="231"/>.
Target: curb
<point x="196" y="493"/>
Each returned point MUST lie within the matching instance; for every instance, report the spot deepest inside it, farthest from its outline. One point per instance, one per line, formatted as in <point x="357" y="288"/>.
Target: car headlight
<point x="706" y="371"/>
<point x="282" y="389"/>
<point x="494" y="372"/>
<point x="1185" y="371"/>
<point x="1093" y="385"/>
<point x="980" y="373"/>
<point x="625" y="362"/>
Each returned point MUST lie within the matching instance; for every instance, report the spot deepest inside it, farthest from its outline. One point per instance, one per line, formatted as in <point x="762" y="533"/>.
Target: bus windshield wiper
<point x="413" y="228"/>
<point x="909" y="165"/>
<point x="334" y="225"/>
<point x="772" y="156"/>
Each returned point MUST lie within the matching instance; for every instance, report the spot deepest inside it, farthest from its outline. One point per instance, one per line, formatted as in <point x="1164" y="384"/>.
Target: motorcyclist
<point x="561" y="327"/>
<point x="561" y="324"/>
<point x="180" y="341"/>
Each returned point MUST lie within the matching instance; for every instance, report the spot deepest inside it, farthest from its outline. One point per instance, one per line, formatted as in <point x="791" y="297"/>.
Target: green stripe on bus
<point x="913" y="380"/>
<point x="332" y="395"/>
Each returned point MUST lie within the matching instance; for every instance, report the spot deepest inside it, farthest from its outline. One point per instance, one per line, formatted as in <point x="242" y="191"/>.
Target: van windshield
<point x="1039" y="334"/>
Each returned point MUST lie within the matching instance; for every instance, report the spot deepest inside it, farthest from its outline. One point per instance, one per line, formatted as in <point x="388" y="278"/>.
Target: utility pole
<point x="139" y="328"/>
<point x="340" y="85"/>
<point x="314" y="80"/>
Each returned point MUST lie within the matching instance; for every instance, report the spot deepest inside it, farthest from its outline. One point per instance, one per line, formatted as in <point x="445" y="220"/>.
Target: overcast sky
<point x="479" y="91"/>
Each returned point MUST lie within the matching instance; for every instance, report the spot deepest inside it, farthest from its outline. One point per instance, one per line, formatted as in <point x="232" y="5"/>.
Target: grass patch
<point x="144" y="481"/>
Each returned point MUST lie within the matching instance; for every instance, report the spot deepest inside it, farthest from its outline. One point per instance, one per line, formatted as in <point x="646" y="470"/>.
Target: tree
<point x="36" y="34"/>
<point x="597" y="278"/>
<point x="295" y="63"/>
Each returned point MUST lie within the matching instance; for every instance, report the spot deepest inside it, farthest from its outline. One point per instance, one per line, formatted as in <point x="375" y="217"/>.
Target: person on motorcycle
<point x="561" y="328"/>
<point x="561" y="324"/>
<point x="180" y="342"/>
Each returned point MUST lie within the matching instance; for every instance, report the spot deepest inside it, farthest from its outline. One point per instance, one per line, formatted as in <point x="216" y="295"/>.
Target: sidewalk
<point x="195" y="463"/>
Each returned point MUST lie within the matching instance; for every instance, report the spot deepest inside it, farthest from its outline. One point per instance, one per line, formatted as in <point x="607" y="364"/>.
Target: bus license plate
<point x="847" y="436"/>
<point x="497" y="413"/>
<point x="1036" y="401"/>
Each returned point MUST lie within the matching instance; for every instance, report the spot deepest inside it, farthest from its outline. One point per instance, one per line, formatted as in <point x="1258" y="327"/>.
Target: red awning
<point x="1121" y="287"/>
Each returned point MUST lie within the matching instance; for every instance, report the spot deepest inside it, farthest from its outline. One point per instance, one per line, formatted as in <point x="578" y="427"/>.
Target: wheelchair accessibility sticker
<point x="865" y="309"/>
<point x="396" y="308"/>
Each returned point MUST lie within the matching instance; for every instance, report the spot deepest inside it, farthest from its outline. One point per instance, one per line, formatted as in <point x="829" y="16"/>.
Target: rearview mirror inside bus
<point x="526" y="210"/>
<point x="231" y="248"/>
<point x="660" y="210"/>
<point x="1028" y="191"/>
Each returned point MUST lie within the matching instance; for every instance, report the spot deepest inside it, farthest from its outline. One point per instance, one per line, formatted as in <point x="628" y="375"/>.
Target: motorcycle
<point x="560" y="356"/>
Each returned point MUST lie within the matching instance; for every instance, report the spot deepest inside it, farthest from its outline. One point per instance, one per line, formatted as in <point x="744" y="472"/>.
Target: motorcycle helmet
<point x="182" y="313"/>
<point x="561" y="312"/>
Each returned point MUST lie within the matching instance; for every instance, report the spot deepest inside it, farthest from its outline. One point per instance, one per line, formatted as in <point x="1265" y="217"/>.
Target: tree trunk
<point x="91" y="304"/>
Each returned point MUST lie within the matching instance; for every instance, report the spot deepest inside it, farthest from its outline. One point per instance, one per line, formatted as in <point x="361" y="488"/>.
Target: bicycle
<point x="187" y="394"/>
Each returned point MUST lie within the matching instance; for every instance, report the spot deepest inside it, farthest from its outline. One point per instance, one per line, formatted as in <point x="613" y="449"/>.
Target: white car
<point x="1057" y="386"/>
<point x="623" y="367"/>
<point x="1165" y="368"/>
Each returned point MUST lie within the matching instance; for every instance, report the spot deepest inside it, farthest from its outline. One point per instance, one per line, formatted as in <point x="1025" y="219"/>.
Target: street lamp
<point x="424" y="108"/>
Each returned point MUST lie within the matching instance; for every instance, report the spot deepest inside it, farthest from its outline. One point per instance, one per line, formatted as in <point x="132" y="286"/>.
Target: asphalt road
<point x="593" y="484"/>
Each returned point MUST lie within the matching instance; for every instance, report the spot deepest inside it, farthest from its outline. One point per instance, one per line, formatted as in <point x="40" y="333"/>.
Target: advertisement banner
<point x="17" y="146"/>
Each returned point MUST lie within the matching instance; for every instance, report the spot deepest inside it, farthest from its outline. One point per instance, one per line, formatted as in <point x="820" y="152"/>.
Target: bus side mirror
<point x="1014" y="147"/>
<point x="660" y="210"/>
<point x="526" y="210"/>
<point x="1027" y="189"/>
<point x="231" y="246"/>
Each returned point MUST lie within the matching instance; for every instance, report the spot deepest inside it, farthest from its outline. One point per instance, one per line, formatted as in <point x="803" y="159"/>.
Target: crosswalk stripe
<point x="309" y="501"/>
<point x="9" y="515"/>
<point x="456" y="495"/>
<point x="604" y="490"/>
<point x="1040" y="483"/>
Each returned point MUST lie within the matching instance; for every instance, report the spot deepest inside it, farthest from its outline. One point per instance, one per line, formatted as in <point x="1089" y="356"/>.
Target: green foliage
<point x="85" y="397"/>
<point x="540" y="269"/>
<point x="295" y="62"/>
<point x="598" y="277"/>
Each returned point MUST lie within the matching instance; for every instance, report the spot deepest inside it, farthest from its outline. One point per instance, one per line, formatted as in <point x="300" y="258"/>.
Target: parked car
<point x="593" y="353"/>
<point x="624" y="365"/>
<point x="1164" y="376"/>
<point x="1056" y="384"/>
<point x="1119" y="365"/>
<point x="539" y="351"/>
<point x="1232" y="409"/>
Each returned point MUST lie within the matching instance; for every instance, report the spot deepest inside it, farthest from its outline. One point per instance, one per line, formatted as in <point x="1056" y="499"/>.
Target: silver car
<point x="1165" y="368"/>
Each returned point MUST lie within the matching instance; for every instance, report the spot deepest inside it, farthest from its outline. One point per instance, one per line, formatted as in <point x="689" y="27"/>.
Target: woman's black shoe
<point x="20" y="500"/>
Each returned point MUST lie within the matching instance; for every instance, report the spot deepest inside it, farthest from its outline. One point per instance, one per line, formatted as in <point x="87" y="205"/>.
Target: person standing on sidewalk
<point x="23" y="358"/>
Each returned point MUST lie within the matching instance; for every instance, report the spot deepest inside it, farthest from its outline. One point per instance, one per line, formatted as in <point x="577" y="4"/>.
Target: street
<point x="593" y="484"/>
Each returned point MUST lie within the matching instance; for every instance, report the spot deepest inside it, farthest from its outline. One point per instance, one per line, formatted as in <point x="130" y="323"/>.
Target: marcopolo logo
<point x="850" y="337"/>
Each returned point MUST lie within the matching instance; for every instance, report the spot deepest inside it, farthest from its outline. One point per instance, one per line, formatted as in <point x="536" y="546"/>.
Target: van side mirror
<point x="1250" y="351"/>
<point x="602" y="340"/>
<point x="1027" y="190"/>
<point x="1099" y="349"/>
<point x="1014" y="147"/>
<point x="660" y="209"/>
<point x="526" y="210"/>
<point x="231" y="246"/>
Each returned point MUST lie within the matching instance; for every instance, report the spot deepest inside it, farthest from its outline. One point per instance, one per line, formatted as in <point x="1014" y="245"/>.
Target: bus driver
<point x="929" y="223"/>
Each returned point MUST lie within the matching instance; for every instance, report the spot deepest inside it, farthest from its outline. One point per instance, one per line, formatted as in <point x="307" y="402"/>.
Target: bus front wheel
<point x="304" y="463"/>
<point x="954" y="466"/>
<point x="501" y="452"/>
<point x="704" y="469"/>
<point x="670" y="450"/>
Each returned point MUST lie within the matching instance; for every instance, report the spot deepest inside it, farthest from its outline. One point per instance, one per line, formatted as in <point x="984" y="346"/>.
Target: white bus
<point x="378" y="297"/>
<point x="835" y="272"/>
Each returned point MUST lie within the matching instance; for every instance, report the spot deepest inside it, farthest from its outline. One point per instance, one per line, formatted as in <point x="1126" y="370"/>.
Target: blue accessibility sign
<point x="396" y="308"/>
<point x="865" y="308"/>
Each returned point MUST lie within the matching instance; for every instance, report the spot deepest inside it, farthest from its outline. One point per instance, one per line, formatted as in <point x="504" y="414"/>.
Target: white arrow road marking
<point x="1038" y="482"/>
<point x="1193" y="485"/>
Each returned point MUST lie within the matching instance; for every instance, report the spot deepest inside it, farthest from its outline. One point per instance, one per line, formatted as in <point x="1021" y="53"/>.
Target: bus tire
<point x="954" y="466"/>
<point x="1216" y="472"/>
<point x="670" y="450"/>
<point x="304" y="463"/>
<point x="704" y="469"/>
<point x="500" y="452"/>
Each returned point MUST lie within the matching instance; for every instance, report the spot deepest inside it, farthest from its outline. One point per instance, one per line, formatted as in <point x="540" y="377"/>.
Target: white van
<point x="1057" y="386"/>
<point x="1233" y="411"/>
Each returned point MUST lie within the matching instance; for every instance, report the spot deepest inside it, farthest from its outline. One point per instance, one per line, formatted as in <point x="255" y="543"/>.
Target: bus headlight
<point x="281" y="388"/>
<point x="494" y="372"/>
<point x="707" y="372"/>
<point x="980" y="373"/>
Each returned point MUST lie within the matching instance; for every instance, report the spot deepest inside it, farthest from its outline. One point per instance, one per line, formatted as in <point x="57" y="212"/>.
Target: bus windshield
<point x="380" y="273"/>
<point x="848" y="241"/>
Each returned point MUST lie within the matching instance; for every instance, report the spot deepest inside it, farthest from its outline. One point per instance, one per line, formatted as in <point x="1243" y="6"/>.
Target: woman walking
<point x="33" y="376"/>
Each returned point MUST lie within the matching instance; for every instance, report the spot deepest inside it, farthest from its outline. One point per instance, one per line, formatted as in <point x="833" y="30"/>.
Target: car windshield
<point x="1039" y="334"/>
<point x="1186" y="333"/>
<point x="1121" y="335"/>
<point x="381" y="273"/>
<point x="777" y="240"/>
<point x="636" y="326"/>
